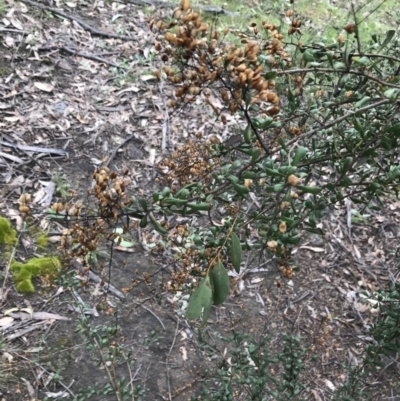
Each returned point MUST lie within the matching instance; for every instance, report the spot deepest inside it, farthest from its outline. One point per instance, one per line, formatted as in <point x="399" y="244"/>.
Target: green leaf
<point x="143" y="222"/>
<point x="369" y="152"/>
<point x="330" y="55"/>
<point x="281" y="142"/>
<point x="262" y="123"/>
<point x="240" y="189"/>
<point x="183" y="193"/>
<point x="290" y="93"/>
<point x="308" y="57"/>
<point x="236" y="252"/>
<point x="165" y="192"/>
<point x="249" y="174"/>
<point x="206" y="312"/>
<point x="392" y="94"/>
<point x="220" y="282"/>
<point x="361" y="62"/>
<point x="143" y="203"/>
<point x="287" y="170"/>
<point x="174" y="201"/>
<point x="363" y="102"/>
<point x="279" y="187"/>
<point x="200" y="206"/>
<point x="157" y="226"/>
<point x="286" y="239"/>
<point x="274" y="173"/>
<point x="357" y="125"/>
<point x="201" y="298"/>
<point x="346" y="56"/>
<point x="347" y="163"/>
<point x="119" y="240"/>
<point x="310" y="190"/>
<point x="270" y="75"/>
<point x="247" y="134"/>
<point x="389" y="37"/>
<point x="255" y="155"/>
<point x="339" y="65"/>
<point x="299" y="155"/>
<point x="394" y="129"/>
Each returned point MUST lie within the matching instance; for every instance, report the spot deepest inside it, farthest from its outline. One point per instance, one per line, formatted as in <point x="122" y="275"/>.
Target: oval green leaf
<point x="247" y="134"/>
<point x="143" y="222"/>
<point x="220" y="281"/>
<point x="157" y="226"/>
<point x="201" y="298"/>
<point x="299" y="155"/>
<point x="143" y="203"/>
<point x="310" y="190"/>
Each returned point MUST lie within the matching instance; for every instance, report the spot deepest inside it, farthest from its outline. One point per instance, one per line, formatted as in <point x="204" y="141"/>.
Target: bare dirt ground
<point x="77" y="91"/>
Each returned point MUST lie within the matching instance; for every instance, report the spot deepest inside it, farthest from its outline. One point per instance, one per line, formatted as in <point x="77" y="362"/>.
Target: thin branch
<point x="321" y="69"/>
<point x="376" y="8"/>
<point x="255" y="131"/>
<point x="397" y="60"/>
<point x="168" y="355"/>
<point x="357" y="24"/>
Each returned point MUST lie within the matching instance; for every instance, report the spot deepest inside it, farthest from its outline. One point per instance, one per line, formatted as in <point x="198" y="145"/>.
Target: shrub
<point x="318" y="125"/>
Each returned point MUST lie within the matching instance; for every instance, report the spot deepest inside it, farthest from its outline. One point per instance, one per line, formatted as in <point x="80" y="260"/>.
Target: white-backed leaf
<point x="206" y="312"/>
<point x="201" y="297"/>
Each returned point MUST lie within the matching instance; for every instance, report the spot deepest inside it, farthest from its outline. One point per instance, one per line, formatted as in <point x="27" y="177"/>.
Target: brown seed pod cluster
<point x="293" y="180"/>
<point x="198" y="57"/>
<point x="287" y="271"/>
<point x="326" y="331"/>
<point x="109" y="189"/>
<point x="295" y="130"/>
<point x="85" y="233"/>
<point x="24" y="200"/>
<point x="109" y="193"/>
<point x="295" y="28"/>
<point x="189" y="163"/>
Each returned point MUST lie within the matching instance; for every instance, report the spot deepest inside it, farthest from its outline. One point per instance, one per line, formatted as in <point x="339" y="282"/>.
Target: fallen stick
<point x="96" y="279"/>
